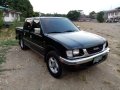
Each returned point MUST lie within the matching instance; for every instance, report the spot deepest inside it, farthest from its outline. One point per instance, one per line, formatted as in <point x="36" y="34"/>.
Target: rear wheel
<point x="53" y="64"/>
<point x="22" y="45"/>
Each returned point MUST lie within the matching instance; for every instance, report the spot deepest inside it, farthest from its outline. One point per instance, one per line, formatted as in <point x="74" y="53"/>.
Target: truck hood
<point x="80" y="39"/>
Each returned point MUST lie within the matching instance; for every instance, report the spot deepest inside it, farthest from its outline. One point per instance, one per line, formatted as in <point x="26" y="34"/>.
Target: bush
<point x="100" y="17"/>
<point x="92" y="15"/>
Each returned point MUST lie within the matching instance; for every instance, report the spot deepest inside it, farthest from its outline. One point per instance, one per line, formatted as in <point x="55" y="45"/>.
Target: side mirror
<point x="78" y="27"/>
<point x="37" y="30"/>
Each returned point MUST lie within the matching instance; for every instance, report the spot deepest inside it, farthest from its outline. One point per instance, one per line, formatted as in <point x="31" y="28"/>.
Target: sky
<point x="64" y="6"/>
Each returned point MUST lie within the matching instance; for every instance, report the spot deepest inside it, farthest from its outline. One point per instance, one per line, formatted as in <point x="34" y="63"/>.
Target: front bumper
<point x="85" y="59"/>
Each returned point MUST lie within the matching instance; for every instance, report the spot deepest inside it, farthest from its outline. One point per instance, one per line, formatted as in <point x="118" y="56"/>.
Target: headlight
<point x="75" y="52"/>
<point x="69" y="53"/>
<point x="72" y="53"/>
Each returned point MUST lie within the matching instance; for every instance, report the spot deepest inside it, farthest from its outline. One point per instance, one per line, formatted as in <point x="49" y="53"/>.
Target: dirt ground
<point x="26" y="70"/>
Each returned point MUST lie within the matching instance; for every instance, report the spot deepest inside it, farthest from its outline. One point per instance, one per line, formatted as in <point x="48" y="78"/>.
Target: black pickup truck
<point x="61" y="43"/>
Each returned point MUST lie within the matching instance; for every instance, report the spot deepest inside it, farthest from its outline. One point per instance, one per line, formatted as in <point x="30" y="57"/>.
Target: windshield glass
<point x="57" y="25"/>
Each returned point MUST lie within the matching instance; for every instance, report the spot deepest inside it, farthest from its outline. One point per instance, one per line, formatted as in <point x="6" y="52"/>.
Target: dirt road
<point x="26" y="70"/>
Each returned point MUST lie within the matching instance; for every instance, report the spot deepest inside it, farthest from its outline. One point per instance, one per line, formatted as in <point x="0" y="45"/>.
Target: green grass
<point x="8" y="43"/>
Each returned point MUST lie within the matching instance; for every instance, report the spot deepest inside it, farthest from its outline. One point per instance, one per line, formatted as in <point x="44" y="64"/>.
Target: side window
<point x="28" y="24"/>
<point x="36" y="26"/>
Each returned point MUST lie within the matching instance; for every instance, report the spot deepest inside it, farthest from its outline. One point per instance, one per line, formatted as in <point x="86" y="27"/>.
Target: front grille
<point x="95" y="49"/>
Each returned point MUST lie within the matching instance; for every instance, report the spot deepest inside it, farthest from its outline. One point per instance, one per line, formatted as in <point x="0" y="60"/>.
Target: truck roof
<point x="43" y="17"/>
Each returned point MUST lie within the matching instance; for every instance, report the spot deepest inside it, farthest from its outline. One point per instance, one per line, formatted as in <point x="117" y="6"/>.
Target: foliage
<point x="23" y="6"/>
<point x="36" y="14"/>
<point x="100" y="17"/>
<point x="92" y="15"/>
<point x="73" y="15"/>
<point x="1" y="19"/>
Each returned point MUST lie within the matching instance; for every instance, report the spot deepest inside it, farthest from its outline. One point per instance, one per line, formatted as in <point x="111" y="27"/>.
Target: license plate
<point x="97" y="59"/>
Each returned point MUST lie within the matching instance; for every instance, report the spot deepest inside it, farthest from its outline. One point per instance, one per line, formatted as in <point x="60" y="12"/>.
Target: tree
<point x="92" y="15"/>
<point x="100" y="17"/>
<point x="23" y="6"/>
<point x="73" y="15"/>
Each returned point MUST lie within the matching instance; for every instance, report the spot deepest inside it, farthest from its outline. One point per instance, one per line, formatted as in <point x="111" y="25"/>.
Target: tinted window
<point x="57" y="25"/>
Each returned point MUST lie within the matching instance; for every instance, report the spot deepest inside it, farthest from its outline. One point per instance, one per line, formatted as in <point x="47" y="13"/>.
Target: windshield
<point x="57" y="25"/>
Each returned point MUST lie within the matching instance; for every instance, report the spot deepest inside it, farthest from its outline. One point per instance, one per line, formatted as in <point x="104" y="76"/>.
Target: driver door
<point x="37" y="37"/>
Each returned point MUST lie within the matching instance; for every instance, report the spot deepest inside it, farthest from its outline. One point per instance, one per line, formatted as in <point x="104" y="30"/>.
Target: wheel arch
<point x="50" y="48"/>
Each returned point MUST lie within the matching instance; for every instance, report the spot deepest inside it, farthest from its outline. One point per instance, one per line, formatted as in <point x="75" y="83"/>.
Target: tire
<point x="22" y="45"/>
<point x="53" y="64"/>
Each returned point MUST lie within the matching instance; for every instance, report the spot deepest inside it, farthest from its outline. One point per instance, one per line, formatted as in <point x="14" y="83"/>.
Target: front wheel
<point x="22" y="45"/>
<point x="53" y="64"/>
